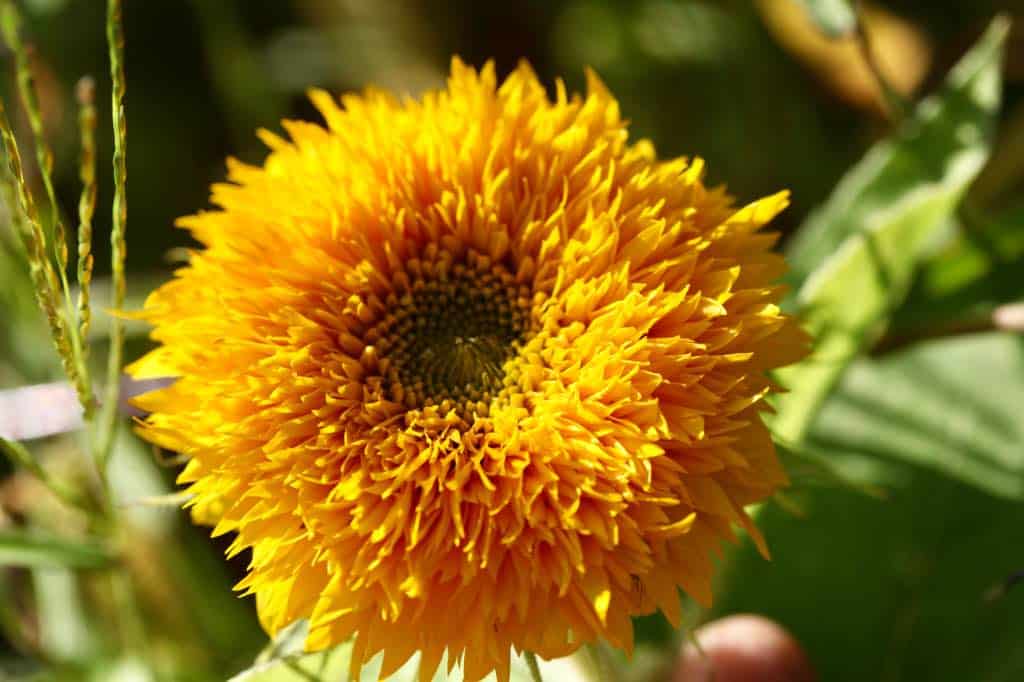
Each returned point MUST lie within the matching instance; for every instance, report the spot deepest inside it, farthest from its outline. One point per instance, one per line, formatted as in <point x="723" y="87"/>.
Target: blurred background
<point x="891" y="589"/>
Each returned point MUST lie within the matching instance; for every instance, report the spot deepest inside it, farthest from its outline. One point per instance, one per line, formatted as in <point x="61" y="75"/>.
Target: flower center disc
<point x="449" y="331"/>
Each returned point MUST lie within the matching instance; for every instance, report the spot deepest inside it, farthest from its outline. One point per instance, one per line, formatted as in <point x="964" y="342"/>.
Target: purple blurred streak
<point x="42" y="410"/>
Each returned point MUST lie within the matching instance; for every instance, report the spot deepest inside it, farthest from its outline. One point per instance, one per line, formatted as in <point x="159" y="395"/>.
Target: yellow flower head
<point x="471" y="372"/>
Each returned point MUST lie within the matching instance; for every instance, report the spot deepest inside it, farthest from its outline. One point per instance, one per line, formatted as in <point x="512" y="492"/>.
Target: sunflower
<point x="471" y="373"/>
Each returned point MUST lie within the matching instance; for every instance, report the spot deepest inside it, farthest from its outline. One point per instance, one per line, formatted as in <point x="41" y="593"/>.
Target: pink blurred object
<point x="41" y="410"/>
<point x="49" y="409"/>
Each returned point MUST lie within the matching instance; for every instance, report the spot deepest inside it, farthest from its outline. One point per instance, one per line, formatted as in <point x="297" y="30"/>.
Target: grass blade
<point x="44" y="277"/>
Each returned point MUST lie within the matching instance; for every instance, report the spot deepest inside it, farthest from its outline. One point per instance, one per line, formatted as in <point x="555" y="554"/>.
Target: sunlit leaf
<point x="953" y="406"/>
<point x="854" y="258"/>
<point x="908" y="582"/>
<point x="808" y="469"/>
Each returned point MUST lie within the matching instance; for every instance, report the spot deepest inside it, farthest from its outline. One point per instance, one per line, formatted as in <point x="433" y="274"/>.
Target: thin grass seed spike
<point x="118" y="249"/>
<point x="44" y="278"/>
<point x="85" y="92"/>
<point x="10" y="20"/>
<point x="70" y="344"/>
<point x="9" y="190"/>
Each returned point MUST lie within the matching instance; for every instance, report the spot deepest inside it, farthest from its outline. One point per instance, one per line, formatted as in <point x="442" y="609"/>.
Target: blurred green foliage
<point x="864" y="243"/>
<point x="908" y="235"/>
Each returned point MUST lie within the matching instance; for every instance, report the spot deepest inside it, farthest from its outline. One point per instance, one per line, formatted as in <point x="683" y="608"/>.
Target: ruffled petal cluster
<point x="472" y="372"/>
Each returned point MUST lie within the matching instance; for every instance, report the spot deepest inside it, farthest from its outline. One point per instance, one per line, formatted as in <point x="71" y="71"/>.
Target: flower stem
<point x="531" y="662"/>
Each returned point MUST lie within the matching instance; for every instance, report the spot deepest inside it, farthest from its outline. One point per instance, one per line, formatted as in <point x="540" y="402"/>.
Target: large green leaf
<point x="891" y="590"/>
<point x="30" y="549"/>
<point x="854" y="259"/>
<point x="953" y="406"/>
<point x="896" y="589"/>
<point x="835" y="18"/>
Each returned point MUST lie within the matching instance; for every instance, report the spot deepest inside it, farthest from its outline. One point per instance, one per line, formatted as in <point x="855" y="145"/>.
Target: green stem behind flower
<point x="531" y="663"/>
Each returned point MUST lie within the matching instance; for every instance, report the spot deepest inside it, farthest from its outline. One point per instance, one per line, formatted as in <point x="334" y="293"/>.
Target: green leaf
<point x="45" y="7"/>
<point x="896" y="589"/>
<point x="32" y="549"/>
<point x="808" y="468"/>
<point x="965" y="281"/>
<point x="854" y="259"/>
<point x="953" y="406"/>
<point x="891" y="590"/>
<point x="835" y="18"/>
